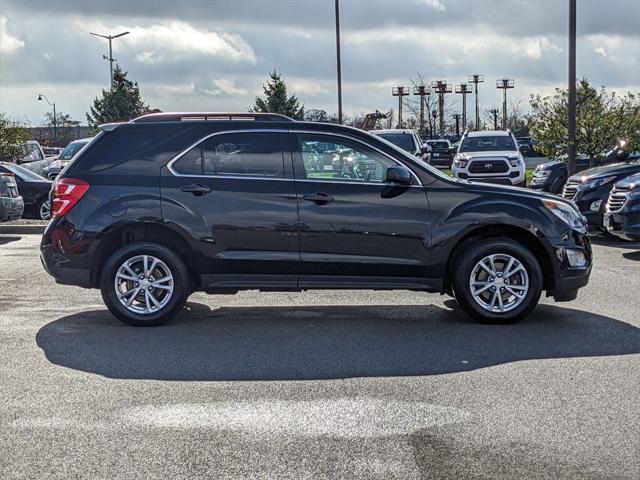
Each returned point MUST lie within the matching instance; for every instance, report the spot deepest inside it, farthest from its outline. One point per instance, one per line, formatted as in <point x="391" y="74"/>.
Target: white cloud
<point x="437" y="4"/>
<point x="306" y="86"/>
<point x="600" y="51"/>
<point x="8" y="43"/>
<point x="534" y="47"/>
<point x="225" y="86"/>
<point x="171" y="41"/>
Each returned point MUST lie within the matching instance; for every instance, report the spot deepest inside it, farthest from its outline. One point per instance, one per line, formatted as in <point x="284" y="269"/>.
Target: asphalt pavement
<point x="318" y="385"/>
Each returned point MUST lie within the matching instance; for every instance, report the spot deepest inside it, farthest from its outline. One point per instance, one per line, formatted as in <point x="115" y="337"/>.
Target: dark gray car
<point x="11" y="204"/>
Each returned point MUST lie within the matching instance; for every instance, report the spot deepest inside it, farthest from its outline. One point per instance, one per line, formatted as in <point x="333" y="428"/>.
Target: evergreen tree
<point x="120" y="104"/>
<point x="277" y="100"/>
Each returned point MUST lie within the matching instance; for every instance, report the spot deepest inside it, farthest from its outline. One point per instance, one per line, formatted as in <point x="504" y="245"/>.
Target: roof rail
<point x="210" y="116"/>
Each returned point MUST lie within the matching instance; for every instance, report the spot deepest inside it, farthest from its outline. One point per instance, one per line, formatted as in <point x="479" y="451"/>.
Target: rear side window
<point x="250" y="154"/>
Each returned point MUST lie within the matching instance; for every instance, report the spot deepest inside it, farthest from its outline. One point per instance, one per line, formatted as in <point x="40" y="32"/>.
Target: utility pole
<point x="55" y="116"/>
<point x="110" y="57"/>
<point x="421" y="90"/>
<point x="400" y="92"/>
<point x="494" y="111"/>
<point x="504" y="84"/>
<point x="464" y="89"/>
<point x="339" y="65"/>
<point x="571" y="110"/>
<point x="441" y="87"/>
<point x="476" y="78"/>
<point x="456" y="117"/>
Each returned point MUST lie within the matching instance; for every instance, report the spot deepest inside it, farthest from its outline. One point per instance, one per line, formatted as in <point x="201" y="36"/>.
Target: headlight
<point x="593" y="184"/>
<point x="461" y="161"/>
<point x="542" y="173"/>
<point x="568" y="214"/>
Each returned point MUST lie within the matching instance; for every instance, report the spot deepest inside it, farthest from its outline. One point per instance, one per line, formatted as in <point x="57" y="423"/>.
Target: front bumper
<point x="625" y="223"/>
<point x="567" y="279"/>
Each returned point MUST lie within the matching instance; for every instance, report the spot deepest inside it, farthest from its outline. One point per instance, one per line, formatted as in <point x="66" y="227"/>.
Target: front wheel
<point x="43" y="209"/>
<point x="497" y="281"/>
<point x="144" y="284"/>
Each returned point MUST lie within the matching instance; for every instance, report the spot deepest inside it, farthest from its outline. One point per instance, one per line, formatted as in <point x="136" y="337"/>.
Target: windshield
<point x="402" y="140"/>
<point x="71" y="150"/>
<point x="487" y="144"/>
<point x="23" y="173"/>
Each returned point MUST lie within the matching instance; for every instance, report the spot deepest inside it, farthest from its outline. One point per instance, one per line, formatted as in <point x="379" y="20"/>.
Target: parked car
<point x="11" y="204"/>
<point x="65" y="157"/>
<point x="530" y="142"/>
<point x="32" y="157"/>
<point x="622" y="213"/>
<point x="52" y="151"/>
<point x="168" y="204"/>
<point x="490" y="157"/>
<point x="551" y="176"/>
<point x="34" y="190"/>
<point x="590" y="189"/>
<point x="408" y="140"/>
<point x="441" y="153"/>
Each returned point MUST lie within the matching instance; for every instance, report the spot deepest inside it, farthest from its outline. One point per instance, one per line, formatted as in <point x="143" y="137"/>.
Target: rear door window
<point x="241" y="154"/>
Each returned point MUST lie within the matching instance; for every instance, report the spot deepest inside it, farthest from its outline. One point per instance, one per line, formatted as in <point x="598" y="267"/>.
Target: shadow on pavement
<point x="323" y="342"/>
<point x="606" y="240"/>
<point x="632" y="255"/>
<point x="4" y="239"/>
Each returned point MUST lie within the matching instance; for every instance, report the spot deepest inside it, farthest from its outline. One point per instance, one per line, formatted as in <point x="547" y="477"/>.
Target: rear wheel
<point x="43" y="209"/>
<point x="497" y="281"/>
<point x="144" y="284"/>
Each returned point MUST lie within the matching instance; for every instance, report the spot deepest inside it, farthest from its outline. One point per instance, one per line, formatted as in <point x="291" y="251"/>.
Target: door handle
<point x="319" y="198"/>
<point x="197" y="189"/>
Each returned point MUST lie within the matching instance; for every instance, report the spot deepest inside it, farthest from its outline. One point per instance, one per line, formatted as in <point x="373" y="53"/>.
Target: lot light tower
<point x="421" y="90"/>
<point x="504" y="84"/>
<point x="456" y="117"/>
<point x="110" y="57"/>
<point x="571" y="107"/>
<point x="400" y="92"/>
<point x="476" y="78"/>
<point x="494" y="111"/>
<point x="339" y="65"/>
<point x="55" y="117"/>
<point x="441" y="87"/>
<point x="464" y="89"/>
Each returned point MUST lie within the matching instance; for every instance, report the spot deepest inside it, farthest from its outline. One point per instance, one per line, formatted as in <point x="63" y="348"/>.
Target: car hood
<point x="509" y="190"/>
<point x="553" y="164"/>
<point x="503" y="153"/>
<point x="633" y="180"/>
<point x="628" y="168"/>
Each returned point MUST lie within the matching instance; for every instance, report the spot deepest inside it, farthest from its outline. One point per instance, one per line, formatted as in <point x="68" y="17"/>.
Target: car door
<point x="356" y="229"/>
<point x="235" y="195"/>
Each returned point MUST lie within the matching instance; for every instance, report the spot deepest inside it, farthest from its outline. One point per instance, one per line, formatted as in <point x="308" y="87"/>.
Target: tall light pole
<point x="494" y="111"/>
<point x="504" y="84"/>
<point x="464" y="89"/>
<point x="441" y="87"/>
<point x="421" y="90"/>
<point x="456" y="117"/>
<point x="476" y="78"/>
<point x="400" y="92"/>
<point x="110" y="57"/>
<point x="339" y="66"/>
<point x="55" y="119"/>
<point x="571" y="110"/>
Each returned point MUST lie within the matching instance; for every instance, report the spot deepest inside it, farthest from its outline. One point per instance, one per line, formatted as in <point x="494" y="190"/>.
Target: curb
<point x="22" y="229"/>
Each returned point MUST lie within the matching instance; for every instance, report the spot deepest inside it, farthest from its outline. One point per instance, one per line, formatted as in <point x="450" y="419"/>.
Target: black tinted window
<point x="252" y="154"/>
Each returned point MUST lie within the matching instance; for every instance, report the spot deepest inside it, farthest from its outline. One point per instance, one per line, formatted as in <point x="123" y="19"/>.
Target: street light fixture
<point x="504" y="84"/>
<point x="476" y="78"/>
<point x="421" y="90"/>
<point x="464" y="89"/>
<point x="110" y="57"/>
<point x="441" y="87"/>
<point x="400" y="92"/>
<point x="55" y="119"/>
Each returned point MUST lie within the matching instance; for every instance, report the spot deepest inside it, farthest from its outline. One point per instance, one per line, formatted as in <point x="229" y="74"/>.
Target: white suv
<point x="490" y="157"/>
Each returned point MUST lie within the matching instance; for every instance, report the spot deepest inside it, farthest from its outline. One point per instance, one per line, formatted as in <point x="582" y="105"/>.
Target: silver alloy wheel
<point x="45" y="210"/>
<point x="144" y="284"/>
<point x="499" y="283"/>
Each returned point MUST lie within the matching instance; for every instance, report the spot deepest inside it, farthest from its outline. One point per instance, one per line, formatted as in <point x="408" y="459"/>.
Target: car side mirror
<point x="425" y="149"/>
<point x="524" y="148"/>
<point x="399" y="175"/>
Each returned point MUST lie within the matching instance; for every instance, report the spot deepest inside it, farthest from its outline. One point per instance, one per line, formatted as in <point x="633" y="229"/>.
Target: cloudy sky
<point x="214" y="55"/>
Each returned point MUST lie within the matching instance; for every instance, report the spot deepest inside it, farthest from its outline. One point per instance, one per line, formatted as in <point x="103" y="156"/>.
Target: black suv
<point x="168" y="204"/>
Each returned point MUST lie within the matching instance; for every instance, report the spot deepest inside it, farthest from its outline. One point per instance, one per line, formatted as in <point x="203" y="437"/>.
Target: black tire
<point x="556" y="186"/>
<point x="37" y="209"/>
<point x="471" y="254"/>
<point x="181" y="285"/>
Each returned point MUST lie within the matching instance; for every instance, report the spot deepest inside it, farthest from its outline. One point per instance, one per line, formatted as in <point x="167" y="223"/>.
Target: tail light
<point x="66" y="193"/>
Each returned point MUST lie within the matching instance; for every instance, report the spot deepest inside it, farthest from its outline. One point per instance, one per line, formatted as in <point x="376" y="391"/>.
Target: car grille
<point x="488" y="166"/>
<point x="617" y="198"/>
<point x="570" y="189"/>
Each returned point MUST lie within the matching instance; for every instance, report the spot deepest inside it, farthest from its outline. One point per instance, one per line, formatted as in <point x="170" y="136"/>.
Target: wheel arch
<point x="519" y="234"/>
<point x="142" y="232"/>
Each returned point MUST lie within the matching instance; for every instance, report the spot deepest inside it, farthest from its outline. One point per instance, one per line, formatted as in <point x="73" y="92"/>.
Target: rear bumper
<point x="11" y="208"/>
